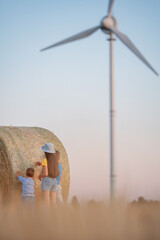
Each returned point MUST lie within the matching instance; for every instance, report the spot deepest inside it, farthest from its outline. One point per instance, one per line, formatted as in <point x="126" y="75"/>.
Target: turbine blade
<point x="78" y="36"/>
<point x="110" y="7"/>
<point x="132" y="47"/>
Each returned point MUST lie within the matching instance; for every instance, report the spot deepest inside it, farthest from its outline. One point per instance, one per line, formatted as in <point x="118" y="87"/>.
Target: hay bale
<point x="20" y="148"/>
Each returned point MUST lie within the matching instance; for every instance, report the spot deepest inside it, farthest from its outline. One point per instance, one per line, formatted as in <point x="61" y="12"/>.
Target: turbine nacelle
<point x="107" y="23"/>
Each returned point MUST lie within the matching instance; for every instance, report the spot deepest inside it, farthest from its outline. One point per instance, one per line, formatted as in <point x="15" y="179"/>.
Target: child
<point x="59" y="188"/>
<point x="27" y="185"/>
<point x="59" y="197"/>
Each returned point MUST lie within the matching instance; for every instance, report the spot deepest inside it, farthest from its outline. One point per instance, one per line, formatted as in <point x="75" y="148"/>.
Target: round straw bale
<point x="20" y="148"/>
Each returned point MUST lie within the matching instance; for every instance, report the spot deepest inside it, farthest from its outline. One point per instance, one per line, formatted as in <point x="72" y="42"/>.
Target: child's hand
<point x="38" y="163"/>
<point x="19" y="173"/>
<point x="40" y="177"/>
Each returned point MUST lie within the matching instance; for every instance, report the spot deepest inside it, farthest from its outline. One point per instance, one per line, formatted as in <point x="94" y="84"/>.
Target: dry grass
<point x="90" y="221"/>
<point x="93" y="221"/>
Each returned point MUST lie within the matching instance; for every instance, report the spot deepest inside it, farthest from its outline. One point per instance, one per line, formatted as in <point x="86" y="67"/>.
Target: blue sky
<point x="66" y="89"/>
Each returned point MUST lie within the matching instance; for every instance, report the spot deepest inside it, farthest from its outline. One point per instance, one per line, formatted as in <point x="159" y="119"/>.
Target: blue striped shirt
<point x="27" y="186"/>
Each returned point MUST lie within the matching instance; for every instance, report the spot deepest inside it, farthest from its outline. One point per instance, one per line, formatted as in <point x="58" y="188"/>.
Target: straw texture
<point x="20" y="148"/>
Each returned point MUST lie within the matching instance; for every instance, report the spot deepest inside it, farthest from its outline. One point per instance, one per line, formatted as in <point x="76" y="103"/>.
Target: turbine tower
<point x="109" y="25"/>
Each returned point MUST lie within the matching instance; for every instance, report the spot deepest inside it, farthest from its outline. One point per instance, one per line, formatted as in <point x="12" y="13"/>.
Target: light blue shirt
<point x="27" y="186"/>
<point x="60" y="174"/>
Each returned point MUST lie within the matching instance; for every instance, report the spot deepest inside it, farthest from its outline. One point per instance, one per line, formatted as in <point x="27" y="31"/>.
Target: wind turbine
<point x="109" y="25"/>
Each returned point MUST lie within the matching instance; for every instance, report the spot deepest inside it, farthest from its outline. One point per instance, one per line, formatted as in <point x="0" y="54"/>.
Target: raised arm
<point x="20" y="178"/>
<point x="44" y="172"/>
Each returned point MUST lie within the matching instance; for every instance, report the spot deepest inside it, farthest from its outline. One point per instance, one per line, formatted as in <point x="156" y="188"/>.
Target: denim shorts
<point x="49" y="184"/>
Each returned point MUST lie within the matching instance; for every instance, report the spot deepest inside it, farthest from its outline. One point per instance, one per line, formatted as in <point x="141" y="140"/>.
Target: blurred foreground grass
<point x="90" y="221"/>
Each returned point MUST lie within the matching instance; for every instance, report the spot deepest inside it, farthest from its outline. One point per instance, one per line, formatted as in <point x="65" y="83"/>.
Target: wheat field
<point x="77" y="221"/>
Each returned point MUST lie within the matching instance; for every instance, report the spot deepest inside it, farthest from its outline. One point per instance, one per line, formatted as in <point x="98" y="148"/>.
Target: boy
<point x="27" y="185"/>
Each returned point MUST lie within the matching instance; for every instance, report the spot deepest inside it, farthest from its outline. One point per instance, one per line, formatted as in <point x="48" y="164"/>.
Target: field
<point x="87" y="221"/>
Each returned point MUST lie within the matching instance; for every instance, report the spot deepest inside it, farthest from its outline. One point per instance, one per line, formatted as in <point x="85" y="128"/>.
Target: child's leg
<point x="59" y="195"/>
<point x="46" y="196"/>
<point x="53" y="197"/>
<point x="29" y="201"/>
<point x="46" y="186"/>
<point x="53" y="191"/>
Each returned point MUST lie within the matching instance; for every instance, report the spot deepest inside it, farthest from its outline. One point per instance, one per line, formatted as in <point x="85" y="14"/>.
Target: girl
<point x="50" y="171"/>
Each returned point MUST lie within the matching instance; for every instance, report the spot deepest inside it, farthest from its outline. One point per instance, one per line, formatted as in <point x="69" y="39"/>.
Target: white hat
<point x="48" y="147"/>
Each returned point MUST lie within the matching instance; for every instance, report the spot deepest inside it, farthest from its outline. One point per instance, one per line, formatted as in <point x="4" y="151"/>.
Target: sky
<point x="66" y="89"/>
